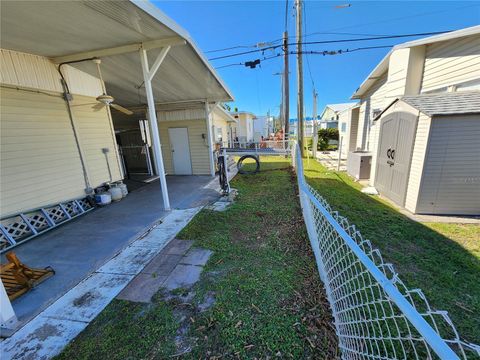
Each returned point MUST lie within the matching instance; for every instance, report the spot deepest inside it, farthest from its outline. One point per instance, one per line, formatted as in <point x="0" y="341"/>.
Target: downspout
<point x="68" y="98"/>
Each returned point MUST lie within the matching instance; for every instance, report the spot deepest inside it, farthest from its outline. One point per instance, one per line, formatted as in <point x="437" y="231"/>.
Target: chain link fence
<point x="376" y="315"/>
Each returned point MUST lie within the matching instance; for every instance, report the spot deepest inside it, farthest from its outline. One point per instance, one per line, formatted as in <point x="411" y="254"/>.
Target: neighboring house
<point x="347" y="128"/>
<point x="223" y="124"/>
<point x="440" y="64"/>
<point x="330" y="114"/>
<point x="243" y="130"/>
<point x="262" y="126"/>
<point x="307" y="127"/>
<point x="57" y="148"/>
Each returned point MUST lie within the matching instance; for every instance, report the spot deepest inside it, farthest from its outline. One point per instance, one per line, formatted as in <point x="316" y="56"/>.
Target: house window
<point x="344" y="127"/>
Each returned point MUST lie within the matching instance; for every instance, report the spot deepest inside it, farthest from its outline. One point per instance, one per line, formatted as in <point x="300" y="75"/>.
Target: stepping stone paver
<point x="183" y="276"/>
<point x="142" y="288"/>
<point x="177" y="247"/>
<point x="196" y="256"/>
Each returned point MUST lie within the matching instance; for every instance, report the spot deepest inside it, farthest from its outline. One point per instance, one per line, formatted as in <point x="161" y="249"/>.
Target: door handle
<point x="389" y="152"/>
<point x="392" y="154"/>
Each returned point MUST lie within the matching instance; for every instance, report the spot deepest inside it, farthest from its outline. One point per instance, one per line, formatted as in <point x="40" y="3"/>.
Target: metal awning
<point x="114" y="31"/>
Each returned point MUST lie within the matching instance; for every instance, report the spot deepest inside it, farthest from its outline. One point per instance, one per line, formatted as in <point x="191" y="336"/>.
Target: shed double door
<point x="397" y="136"/>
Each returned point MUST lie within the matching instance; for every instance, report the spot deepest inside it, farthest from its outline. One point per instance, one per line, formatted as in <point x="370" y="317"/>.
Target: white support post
<point x="7" y="315"/>
<point x="208" y="121"/>
<point x="152" y="116"/>
<point x="339" y="153"/>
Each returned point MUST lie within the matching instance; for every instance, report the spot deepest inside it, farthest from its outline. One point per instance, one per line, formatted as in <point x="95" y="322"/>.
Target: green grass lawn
<point x="268" y="300"/>
<point x="441" y="259"/>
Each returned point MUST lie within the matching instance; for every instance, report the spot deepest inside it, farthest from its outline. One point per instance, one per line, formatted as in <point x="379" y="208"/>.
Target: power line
<point x="310" y="52"/>
<point x="272" y="47"/>
<point x="306" y="57"/>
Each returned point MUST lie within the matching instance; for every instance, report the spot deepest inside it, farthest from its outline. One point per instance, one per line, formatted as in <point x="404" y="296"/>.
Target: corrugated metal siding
<point x="40" y="164"/>
<point x="451" y="176"/>
<point x="37" y="72"/>
<point x="94" y="131"/>
<point x="198" y="146"/>
<point x="451" y="62"/>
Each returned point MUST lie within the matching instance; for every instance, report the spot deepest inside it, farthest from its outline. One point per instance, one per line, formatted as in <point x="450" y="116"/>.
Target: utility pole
<point x="315" y="130"/>
<point x="286" y="90"/>
<point x="298" y="4"/>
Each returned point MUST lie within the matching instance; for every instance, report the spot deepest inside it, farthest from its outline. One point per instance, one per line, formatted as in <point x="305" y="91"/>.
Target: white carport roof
<point x="114" y="31"/>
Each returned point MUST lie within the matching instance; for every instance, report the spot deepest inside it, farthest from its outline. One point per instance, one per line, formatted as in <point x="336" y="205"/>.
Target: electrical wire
<point x="304" y="39"/>
<point x="311" y="52"/>
<point x="272" y="47"/>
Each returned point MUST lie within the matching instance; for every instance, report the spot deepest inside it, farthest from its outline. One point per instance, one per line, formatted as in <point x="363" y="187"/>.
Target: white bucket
<point x="103" y="199"/>
<point x="124" y="189"/>
<point x="116" y="193"/>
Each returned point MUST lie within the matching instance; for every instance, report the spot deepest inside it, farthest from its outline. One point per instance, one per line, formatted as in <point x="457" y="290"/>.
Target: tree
<point x="324" y="137"/>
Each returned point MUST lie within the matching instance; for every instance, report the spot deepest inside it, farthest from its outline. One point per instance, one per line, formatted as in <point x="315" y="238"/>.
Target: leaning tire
<point x="245" y="172"/>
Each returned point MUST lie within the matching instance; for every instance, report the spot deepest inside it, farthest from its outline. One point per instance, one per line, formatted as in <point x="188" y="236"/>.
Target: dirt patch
<point x="84" y="300"/>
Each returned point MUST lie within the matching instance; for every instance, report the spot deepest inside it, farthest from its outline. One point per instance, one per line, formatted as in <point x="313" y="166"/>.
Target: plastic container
<point x="116" y="193"/>
<point x="124" y="189"/>
<point x="103" y="199"/>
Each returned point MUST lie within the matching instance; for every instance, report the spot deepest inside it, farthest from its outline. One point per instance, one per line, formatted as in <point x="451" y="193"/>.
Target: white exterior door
<point x="180" y="148"/>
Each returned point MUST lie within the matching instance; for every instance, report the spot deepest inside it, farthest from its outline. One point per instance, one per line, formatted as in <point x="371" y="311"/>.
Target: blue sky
<point x="221" y="24"/>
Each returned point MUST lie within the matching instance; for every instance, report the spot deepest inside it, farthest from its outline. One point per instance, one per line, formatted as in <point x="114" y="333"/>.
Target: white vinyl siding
<point x="37" y="72"/>
<point x="95" y="133"/>
<point x="353" y="129"/>
<point x="373" y="99"/>
<point x="219" y="123"/>
<point x="451" y="175"/>
<point x="418" y="161"/>
<point x="451" y="62"/>
<point x="40" y="164"/>
<point x="198" y="145"/>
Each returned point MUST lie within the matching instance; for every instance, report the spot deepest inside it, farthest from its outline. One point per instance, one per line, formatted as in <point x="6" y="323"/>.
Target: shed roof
<point x="63" y="30"/>
<point x="382" y="66"/>
<point x="449" y="103"/>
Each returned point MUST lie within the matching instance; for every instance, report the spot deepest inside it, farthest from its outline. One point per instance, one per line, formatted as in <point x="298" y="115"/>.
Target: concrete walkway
<point x="49" y="332"/>
<point x="329" y="159"/>
<point x="81" y="246"/>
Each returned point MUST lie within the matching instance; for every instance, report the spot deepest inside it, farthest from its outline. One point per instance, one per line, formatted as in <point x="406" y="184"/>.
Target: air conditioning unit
<point x="359" y="164"/>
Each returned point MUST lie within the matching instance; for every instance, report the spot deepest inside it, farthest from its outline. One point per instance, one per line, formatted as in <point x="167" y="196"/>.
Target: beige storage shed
<point x="427" y="158"/>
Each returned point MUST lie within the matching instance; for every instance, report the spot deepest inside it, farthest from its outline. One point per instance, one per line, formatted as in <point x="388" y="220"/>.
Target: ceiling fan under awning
<point x="105" y="99"/>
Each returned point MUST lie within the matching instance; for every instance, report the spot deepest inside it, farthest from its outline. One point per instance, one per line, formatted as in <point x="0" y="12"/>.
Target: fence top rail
<point x="439" y="345"/>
